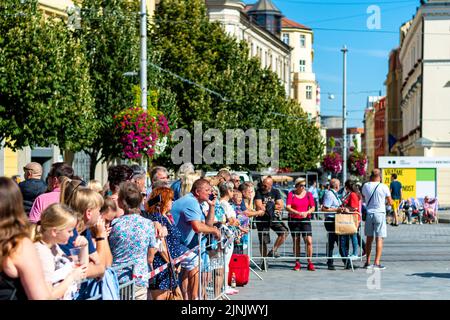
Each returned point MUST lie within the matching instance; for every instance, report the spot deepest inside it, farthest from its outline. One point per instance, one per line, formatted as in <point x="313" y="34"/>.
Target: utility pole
<point x="143" y="72"/>
<point x="143" y="60"/>
<point x="344" y="117"/>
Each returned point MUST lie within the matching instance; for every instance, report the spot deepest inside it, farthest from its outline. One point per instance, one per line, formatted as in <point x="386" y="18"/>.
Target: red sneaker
<point x="298" y="266"/>
<point x="311" y="267"/>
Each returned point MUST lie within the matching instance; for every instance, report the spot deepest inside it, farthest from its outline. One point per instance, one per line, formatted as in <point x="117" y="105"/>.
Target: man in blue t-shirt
<point x="189" y="219"/>
<point x="396" y="194"/>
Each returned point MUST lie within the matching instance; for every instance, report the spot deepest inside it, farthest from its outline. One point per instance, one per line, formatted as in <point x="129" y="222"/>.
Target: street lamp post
<point x="344" y="116"/>
<point x="143" y="60"/>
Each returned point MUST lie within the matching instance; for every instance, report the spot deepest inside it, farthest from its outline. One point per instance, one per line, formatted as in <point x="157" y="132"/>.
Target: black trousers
<point x="332" y="238"/>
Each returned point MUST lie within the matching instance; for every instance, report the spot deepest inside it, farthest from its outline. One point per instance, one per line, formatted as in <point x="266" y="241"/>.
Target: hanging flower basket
<point x="357" y="163"/>
<point x="141" y="134"/>
<point x="332" y="162"/>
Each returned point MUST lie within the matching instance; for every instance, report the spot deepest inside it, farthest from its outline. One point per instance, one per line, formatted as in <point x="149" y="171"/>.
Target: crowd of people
<point x="63" y="238"/>
<point x="366" y="202"/>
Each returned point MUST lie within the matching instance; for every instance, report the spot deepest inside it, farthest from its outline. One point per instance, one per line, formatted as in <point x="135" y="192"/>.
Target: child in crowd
<point x="242" y="241"/>
<point x="56" y="227"/>
<point x="109" y="211"/>
<point x="87" y="204"/>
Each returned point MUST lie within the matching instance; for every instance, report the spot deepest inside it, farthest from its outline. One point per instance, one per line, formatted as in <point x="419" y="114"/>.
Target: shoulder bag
<point x="364" y="208"/>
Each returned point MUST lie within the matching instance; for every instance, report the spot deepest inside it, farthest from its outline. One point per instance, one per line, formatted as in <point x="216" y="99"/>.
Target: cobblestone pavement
<point x="417" y="260"/>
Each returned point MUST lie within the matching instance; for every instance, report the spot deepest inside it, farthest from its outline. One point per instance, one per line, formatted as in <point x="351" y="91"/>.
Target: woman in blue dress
<point x="162" y="285"/>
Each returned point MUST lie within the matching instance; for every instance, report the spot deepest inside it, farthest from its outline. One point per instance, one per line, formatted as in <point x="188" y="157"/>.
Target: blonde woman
<point x="21" y="275"/>
<point x="56" y="227"/>
<point x="188" y="181"/>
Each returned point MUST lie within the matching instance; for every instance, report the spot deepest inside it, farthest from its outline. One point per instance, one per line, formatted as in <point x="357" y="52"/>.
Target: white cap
<point x="299" y="180"/>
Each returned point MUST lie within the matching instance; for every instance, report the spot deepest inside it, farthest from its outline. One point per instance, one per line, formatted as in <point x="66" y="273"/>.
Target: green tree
<point x="187" y="44"/>
<point x="109" y="31"/>
<point x="45" y="92"/>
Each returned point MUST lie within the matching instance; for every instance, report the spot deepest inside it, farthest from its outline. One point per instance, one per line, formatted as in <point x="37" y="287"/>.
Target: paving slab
<point x="417" y="260"/>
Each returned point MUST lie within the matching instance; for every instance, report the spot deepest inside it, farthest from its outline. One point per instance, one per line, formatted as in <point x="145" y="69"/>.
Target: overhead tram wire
<point x="189" y="81"/>
<point x="351" y="17"/>
<point x="136" y="16"/>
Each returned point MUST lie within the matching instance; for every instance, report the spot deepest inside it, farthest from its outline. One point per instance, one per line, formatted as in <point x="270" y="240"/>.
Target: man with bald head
<point x="33" y="186"/>
<point x="375" y="195"/>
<point x="269" y="200"/>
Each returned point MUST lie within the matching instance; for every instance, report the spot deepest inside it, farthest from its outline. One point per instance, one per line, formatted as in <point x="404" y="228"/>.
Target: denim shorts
<point x="375" y="224"/>
<point x="190" y="262"/>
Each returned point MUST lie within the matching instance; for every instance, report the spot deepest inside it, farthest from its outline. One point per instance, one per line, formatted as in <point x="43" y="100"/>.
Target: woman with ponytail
<point x="56" y="227"/>
<point x="21" y="275"/>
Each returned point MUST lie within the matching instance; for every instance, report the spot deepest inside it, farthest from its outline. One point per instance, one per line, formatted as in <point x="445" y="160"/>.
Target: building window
<point x="309" y="92"/>
<point x="302" y="66"/>
<point x="286" y="38"/>
<point x="302" y="41"/>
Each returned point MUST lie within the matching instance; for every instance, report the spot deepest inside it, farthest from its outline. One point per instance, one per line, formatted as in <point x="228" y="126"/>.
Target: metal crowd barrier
<point x="127" y="290"/>
<point x="212" y="263"/>
<point x="287" y="250"/>
<point x="212" y="276"/>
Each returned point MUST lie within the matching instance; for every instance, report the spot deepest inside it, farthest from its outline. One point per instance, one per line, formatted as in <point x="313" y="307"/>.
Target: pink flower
<point x="139" y="132"/>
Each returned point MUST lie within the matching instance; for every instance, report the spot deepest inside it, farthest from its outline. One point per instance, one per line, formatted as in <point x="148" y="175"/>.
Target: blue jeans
<point x="344" y="245"/>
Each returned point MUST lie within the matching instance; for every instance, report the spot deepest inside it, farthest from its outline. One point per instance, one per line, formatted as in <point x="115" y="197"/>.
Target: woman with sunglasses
<point x="300" y="205"/>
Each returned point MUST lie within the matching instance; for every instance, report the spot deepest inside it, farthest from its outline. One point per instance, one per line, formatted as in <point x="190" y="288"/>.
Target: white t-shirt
<point x="378" y="202"/>
<point x="56" y="266"/>
<point x="229" y="211"/>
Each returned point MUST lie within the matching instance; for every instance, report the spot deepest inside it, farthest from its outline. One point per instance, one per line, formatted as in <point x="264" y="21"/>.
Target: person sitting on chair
<point x="429" y="209"/>
<point x="410" y="208"/>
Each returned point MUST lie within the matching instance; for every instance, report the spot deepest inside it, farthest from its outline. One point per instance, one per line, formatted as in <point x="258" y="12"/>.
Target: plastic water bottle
<point x="233" y="280"/>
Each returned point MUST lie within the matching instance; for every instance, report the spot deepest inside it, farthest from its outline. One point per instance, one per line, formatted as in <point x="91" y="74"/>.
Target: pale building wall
<point x="301" y="78"/>
<point x="271" y="52"/>
<point x="443" y="186"/>
<point x="425" y="57"/>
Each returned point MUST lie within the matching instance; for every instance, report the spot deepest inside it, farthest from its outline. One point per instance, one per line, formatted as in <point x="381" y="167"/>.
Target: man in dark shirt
<point x="396" y="193"/>
<point x="269" y="200"/>
<point x="33" y="186"/>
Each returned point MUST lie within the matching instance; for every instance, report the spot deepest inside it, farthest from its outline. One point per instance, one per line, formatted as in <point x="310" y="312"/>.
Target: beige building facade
<point x="425" y="90"/>
<point x="369" y="144"/>
<point x="304" y="87"/>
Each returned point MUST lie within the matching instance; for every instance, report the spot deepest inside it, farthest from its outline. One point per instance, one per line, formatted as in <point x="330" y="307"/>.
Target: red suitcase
<point x="240" y="265"/>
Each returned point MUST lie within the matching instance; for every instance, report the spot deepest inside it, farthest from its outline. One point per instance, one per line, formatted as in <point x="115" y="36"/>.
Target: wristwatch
<point x="101" y="238"/>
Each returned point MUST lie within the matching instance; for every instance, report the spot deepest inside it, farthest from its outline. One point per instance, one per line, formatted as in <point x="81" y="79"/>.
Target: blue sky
<point x="367" y="58"/>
